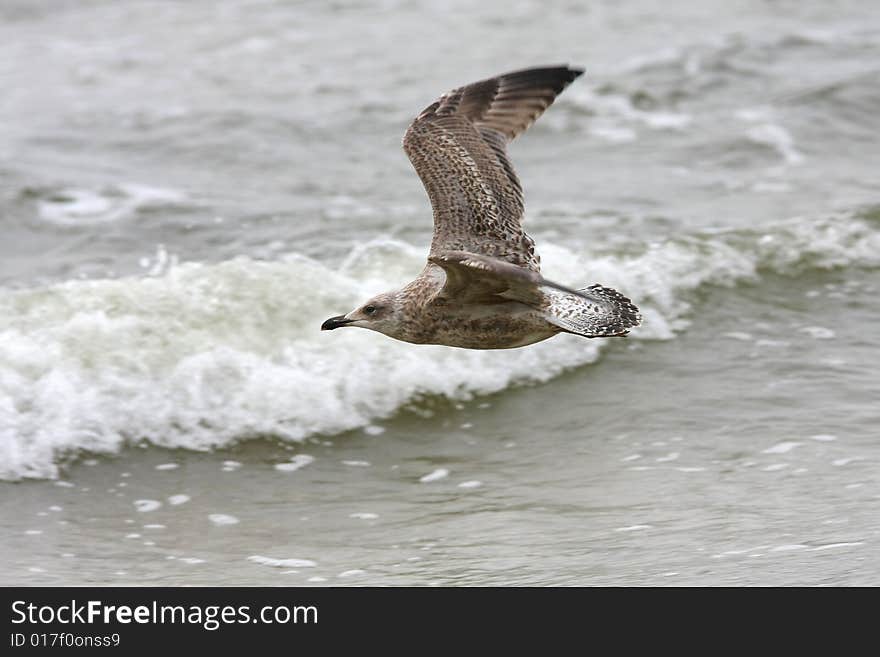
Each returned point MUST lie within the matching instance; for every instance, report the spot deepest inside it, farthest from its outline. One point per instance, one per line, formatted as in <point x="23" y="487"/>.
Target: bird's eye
<point x="370" y="310"/>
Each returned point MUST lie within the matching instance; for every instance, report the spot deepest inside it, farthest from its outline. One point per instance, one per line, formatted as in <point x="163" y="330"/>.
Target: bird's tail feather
<point x="597" y="311"/>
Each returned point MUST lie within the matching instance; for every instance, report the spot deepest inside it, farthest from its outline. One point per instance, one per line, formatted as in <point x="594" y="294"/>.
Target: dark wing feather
<point x="458" y="147"/>
<point x="475" y="278"/>
<point x="596" y="311"/>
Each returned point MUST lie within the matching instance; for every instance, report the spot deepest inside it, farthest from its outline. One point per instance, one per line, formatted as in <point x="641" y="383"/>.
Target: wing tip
<point x="566" y="72"/>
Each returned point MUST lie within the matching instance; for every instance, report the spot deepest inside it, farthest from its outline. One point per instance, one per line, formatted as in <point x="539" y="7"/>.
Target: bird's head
<point x="381" y="313"/>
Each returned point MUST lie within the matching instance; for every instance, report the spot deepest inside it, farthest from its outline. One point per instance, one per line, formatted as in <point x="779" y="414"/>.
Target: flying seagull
<point x="482" y="286"/>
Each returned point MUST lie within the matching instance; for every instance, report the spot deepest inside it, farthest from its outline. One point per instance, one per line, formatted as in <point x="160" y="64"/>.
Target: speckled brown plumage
<point x="482" y="287"/>
<point x="458" y="146"/>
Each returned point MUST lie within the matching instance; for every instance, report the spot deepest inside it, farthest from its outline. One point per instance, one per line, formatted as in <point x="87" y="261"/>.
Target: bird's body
<point x="501" y="324"/>
<point x="482" y="287"/>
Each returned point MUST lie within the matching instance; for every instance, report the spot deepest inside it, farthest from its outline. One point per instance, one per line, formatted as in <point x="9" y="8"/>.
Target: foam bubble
<point x="145" y="506"/>
<point x="282" y="563"/>
<point x="295" y="463"/>
<point x="781" y="448"/>
<point x="176" y="500"/>
<point x="818" y="332"/>
<point x="436" y="475"/>
<point x="221" y="519"/>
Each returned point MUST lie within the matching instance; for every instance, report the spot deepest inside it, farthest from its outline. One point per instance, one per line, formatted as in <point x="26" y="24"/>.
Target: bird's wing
<point x="596" y="311"/>
<point x="476" y="278"/>
<point x="458" y="147"/>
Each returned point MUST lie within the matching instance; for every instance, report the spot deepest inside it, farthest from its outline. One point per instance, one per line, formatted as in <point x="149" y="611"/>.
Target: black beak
<point x="335" y="323"/>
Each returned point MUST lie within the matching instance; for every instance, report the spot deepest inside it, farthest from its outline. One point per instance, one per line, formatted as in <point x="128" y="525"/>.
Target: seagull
<point x="482" y="286"/>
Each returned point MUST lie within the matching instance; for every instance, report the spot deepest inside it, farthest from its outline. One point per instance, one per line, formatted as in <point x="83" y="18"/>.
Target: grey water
<point x="188" y="189"/>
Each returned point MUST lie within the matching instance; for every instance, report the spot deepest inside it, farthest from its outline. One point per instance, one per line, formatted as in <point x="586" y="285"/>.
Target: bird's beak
<point x="335" y="323"/>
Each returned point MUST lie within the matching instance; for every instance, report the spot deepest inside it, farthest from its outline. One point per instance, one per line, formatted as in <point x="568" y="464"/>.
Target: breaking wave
<point x="198" y="356"/>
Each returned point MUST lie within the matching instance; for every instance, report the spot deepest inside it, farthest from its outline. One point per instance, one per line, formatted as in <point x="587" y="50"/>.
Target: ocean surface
<point x="188" y="189"/>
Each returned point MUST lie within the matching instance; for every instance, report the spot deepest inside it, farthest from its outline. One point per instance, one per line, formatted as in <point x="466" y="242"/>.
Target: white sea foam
<point x="71" y="207"/>
<point x="435" y="475"/>
<point x="781" y="448"/>
<point x="145" y="506"/>
<point x="282" y="563"/>
<point x="833" y="546"/>
<point x="612" y="110"/>
<point x="295" y="463"/>
<point x="818" y="332"/>
<point x="198" y="356"/>
<point x="789" y="547"/>
<point x="777" y="138"/>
